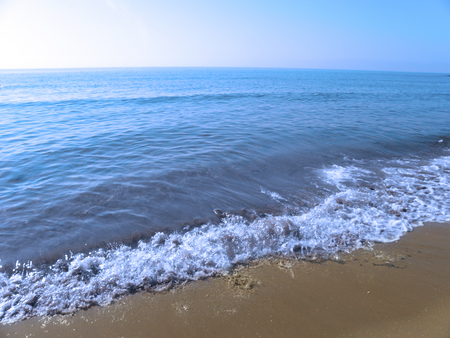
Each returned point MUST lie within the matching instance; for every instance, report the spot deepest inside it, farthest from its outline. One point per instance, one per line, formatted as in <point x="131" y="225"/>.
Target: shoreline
<point x="396" y="289"/>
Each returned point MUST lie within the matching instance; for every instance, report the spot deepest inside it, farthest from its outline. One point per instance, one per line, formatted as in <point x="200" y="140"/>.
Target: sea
<point x="114" y="181"/>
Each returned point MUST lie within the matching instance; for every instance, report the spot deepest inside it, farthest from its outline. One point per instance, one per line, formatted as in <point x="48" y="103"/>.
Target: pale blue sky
<point x="398" y="35"/>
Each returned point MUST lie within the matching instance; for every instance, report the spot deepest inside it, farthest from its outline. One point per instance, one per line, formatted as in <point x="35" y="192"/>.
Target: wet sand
<point x="398" y="289"/>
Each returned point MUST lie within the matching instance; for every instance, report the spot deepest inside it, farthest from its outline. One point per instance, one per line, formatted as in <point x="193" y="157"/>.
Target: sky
<point x="392" y="35"/>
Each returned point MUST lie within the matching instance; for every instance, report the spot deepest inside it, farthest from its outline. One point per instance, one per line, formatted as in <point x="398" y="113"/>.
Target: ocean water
<point x="117" y="180"/>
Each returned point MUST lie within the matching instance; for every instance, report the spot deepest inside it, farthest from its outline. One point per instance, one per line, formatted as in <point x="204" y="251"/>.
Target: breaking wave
<point x="402" y="196"/>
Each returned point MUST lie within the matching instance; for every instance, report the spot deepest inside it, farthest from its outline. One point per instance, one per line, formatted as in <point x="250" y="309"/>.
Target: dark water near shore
<point x="91" y="157"/>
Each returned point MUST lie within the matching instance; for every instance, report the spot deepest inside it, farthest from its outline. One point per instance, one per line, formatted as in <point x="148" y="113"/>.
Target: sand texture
<point x="398" y="289"/>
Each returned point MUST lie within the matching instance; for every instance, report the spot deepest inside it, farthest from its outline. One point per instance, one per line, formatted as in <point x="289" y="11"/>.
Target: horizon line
<point x="213" y="67"/>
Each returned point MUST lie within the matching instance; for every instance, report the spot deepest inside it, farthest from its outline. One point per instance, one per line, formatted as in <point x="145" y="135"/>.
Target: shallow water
<point x="296" y="161"/>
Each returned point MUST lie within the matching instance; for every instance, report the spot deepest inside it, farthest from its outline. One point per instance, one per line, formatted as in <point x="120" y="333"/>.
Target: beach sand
<point x="399" y="289"/>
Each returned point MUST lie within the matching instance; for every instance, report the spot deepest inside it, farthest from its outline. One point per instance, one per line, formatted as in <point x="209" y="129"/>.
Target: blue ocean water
<point x="114" y="180"/>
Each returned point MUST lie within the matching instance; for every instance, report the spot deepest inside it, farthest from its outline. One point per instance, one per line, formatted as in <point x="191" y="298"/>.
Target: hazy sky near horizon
<point x="397" y="35"/>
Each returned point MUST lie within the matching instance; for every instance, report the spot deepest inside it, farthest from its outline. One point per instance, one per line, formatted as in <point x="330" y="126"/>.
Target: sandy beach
<point x="397" y="289"/>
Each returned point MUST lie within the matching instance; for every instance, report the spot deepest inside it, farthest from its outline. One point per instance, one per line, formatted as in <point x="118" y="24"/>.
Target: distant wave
<point x="217" y="98"/>
<point x="138" y="100"/>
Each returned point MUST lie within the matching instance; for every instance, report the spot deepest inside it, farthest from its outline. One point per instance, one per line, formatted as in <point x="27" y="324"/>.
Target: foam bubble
<point x="275" y="196"/>
<point x="338" y="175"/>
<point x="403" y="197"/>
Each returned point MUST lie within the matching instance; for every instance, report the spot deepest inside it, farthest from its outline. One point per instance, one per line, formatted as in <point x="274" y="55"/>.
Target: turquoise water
<point x="175" y="174"/>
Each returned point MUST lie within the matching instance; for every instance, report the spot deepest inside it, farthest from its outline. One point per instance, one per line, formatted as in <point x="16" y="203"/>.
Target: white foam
<point x="277" y="197"/>
<point x="403" y="198"/>
<point x="338" y="175"/>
